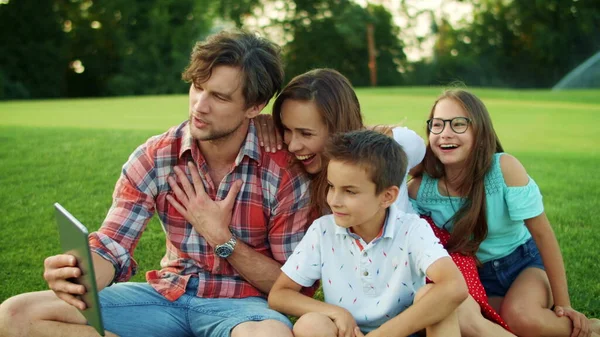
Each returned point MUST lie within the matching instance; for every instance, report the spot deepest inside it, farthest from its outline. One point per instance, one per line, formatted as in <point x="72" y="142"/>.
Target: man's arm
<point x="112" y="245"/>
<point x="259" y="270"/>
<point x="59" y="270"/>
<point x="211" y="219"/>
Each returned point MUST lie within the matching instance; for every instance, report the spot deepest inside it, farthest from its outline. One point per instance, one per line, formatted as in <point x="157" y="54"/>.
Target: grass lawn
<point x="71" y="151"/>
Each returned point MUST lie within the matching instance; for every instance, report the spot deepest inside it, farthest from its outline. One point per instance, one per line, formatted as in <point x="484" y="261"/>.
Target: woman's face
<point x="304" y="133"/>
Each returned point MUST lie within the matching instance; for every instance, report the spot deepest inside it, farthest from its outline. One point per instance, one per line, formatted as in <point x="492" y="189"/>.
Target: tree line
<point x="86" y="48"/>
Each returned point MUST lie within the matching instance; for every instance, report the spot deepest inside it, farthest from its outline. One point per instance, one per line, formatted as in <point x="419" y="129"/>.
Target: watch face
<point x="224" y="251"/>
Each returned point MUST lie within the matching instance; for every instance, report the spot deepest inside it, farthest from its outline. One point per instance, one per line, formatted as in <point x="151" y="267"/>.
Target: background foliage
<point x="135" y="47"/>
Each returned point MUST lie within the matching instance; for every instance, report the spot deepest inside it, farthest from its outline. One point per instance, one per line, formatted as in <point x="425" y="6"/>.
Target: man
<point x="221" y="260"/>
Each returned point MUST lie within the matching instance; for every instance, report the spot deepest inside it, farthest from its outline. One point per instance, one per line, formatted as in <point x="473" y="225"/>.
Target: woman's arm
<point x="412" y="144"/>
<point x="267" y="133"/>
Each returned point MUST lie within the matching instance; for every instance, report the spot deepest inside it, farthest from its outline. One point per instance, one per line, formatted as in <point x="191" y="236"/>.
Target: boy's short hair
<point x="257" y="58"/>
<point x="381" y="156"/>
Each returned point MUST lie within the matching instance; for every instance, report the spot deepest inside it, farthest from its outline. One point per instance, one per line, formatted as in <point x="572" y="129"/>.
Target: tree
<point x="518" y="43"/>
<point x="32" y="63"/>
<point x="334" y="35"/>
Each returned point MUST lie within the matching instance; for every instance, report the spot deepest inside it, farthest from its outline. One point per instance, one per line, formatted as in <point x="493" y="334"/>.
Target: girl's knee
<point x="314" y="324"/>
<point x="521" y="320"/>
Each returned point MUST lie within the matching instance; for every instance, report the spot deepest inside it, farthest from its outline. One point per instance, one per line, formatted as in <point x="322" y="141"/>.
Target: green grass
<point x="71" y="151"/>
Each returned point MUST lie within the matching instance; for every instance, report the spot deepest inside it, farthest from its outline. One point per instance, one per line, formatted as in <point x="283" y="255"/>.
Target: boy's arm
<point x="285" y="297"/>
<point x="448" y="291"/>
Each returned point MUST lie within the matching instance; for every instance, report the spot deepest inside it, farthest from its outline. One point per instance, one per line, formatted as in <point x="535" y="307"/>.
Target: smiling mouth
<point x="448" y="146"/>
<point x="306" y="157"/>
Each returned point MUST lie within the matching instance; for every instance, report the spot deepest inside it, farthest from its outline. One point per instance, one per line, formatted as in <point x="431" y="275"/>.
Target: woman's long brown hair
<point x="338" y="105"/>
<point x="470" y="223"/>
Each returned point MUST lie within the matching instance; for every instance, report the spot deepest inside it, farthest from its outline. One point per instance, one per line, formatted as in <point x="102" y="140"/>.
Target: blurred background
<point x="86" y="48"/>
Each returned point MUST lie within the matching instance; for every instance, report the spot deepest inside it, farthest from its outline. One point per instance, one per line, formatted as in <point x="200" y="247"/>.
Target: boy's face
<point x="351" y="196"/>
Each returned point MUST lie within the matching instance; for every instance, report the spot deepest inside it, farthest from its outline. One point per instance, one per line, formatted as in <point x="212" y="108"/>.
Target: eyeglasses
<point x="457" y="124"/>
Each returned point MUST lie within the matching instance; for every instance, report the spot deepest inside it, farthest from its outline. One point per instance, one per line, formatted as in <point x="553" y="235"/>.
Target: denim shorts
<point x="136" y="309"/>
<point x="498" y="275"/>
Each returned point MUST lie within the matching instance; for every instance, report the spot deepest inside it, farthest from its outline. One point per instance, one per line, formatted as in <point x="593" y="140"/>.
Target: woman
<point x="314" y="106"/>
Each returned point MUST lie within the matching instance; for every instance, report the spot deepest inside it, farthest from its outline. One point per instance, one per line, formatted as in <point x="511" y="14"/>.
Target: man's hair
<point x="380" y="156"/>
<point x="257" y="58"/>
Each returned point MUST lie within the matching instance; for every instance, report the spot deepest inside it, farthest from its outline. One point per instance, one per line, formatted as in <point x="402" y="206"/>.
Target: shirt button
<point x="496" y="263"/>
<point x="365" y="254"/>
<point x="366" y="273"/>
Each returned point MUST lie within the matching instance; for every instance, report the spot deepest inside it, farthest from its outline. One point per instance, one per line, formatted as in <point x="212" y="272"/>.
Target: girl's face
<point x="451" y="148"/>
<point x="304" y="133"/>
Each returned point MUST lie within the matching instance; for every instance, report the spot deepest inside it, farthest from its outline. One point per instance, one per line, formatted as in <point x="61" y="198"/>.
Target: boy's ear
<point x="254" y="110"/>
<point x="389" y="195"/>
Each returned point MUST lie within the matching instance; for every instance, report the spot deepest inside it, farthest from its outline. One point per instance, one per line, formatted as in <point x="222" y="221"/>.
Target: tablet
<point x="74" y="241"/>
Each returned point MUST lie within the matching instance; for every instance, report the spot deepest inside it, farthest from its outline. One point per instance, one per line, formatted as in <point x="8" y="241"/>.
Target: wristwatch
<point x="226" y="249"/>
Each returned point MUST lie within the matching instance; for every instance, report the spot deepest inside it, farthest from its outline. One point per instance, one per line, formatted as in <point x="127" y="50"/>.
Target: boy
<point x="372" y="258"/>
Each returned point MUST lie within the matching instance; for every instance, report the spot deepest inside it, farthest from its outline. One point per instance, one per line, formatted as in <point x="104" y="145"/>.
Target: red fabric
<point x="468" y="267"/>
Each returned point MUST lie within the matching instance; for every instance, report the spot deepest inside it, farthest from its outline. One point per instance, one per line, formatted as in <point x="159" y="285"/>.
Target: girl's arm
<point x="544" y="238"/>
<point x="543" y="235"/>
<point x="447" y="292"/>
<point x="286" y="298"/>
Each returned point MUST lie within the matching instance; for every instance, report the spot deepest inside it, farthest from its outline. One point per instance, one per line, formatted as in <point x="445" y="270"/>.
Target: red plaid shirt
<point x="271" y="214"/>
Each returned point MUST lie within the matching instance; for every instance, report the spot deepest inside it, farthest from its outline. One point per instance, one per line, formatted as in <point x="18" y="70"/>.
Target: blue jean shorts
<point x="498" y="275"/>
<point x="136" y="309"/>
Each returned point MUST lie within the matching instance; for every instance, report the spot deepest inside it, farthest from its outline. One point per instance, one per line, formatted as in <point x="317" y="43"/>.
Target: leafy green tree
<point x="334" y="35"/>
<point x="32" y="63"/>
<point x="518" y="43"/>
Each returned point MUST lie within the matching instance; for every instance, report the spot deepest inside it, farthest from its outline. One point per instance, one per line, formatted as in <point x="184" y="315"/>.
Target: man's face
<point x="217" y="106"/>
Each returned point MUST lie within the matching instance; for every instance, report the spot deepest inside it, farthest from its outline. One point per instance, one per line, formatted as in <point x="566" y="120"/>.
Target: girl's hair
<point x="338" y="105"/>
<point x="470" y="224"/>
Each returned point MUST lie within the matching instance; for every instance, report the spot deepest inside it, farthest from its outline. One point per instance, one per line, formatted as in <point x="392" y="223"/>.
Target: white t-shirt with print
<point x="414" y="147"/>
<point x="374" y="283"/>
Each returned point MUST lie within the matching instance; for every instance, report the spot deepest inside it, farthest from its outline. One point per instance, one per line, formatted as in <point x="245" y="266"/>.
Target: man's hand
<point x="58" y="272"/>
<point x="581" y="327"/>
<point x="344" y="321"/>
<point x="209" y="218"/>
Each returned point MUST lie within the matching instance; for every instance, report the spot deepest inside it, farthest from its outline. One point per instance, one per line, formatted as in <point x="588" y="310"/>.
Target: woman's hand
<point x="268" y="135"/>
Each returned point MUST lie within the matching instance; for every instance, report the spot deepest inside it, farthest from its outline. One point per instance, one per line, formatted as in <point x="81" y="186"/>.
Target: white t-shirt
<point x="414" y="147"/>
<point x="374" y="281"/>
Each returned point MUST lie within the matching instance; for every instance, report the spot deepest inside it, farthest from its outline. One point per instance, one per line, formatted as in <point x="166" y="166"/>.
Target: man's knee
<point x="14" y="316"/>
<point x="269" y="327"/>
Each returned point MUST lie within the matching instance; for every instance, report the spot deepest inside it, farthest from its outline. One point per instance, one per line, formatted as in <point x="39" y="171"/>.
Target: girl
<point x="494" y="210"/>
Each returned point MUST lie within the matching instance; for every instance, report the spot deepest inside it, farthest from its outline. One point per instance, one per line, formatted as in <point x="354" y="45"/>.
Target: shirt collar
<point x="389" y="226"/>
<point x="249" y="148"/>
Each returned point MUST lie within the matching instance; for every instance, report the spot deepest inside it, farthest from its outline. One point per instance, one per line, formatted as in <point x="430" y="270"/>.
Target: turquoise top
<point x="506" y="208"/>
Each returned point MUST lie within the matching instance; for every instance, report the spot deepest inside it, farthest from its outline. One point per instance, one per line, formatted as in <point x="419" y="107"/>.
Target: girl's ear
<point x="388" y="196"/>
